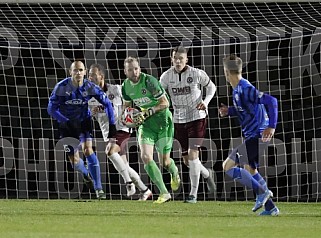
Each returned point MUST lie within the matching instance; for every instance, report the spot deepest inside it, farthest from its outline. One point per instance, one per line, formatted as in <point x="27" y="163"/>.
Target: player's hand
<point x="148" y="112"/>
<point x="112" y="131"/>
<point x="223" y="110"/>
<point x="267" y="134"/>
<point x="97" y="109"/>
<point x="201" y="106"/>
<point x="139" y="118"/>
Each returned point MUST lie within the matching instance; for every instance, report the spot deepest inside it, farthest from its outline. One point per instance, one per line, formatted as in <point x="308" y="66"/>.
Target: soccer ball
<point x="127" y="117"/>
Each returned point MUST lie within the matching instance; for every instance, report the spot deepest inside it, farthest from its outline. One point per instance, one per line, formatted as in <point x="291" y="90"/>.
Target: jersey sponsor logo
<point x="75" y="102"/>
<point x="181" y="91"/>
<point x="189" y="79"/>
<point x="142" y="101"/>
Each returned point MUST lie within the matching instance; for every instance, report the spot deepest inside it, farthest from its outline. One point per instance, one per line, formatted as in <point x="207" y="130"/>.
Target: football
<point x="127" y="117"/>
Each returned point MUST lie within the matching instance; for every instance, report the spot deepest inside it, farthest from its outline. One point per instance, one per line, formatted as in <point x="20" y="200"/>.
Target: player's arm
<point x="127" y="101"/>
<point x="103" y="99"/>
<point x="159" y="93"/>
<point x="271" y="104"/>
<point x="53" y="106"/>
<point x="163" y="80"/>
<point x="210" y="87"/>
<point x="161" y="105"/>
<point x="226" y="111"/>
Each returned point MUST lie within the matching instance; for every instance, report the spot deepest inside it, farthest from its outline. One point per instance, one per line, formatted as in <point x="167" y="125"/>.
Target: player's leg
<point x="78" y="165"/>
<point x="198" y="132"/>
<point x="92" y="160"/>
<point x="145" y="192"/>
<point x="112" y="150"/>
<point x="255" y="149"/>
<point x="94" y="167"/>
<point x="206" y="173"/>
<point x="71" y="143"/>
<point x="194" y="174"/>
<point x="164" y="146"/>
<point x="146" y="144"/>
<point x="242" y="175"/>
<point x="269" y="207"/>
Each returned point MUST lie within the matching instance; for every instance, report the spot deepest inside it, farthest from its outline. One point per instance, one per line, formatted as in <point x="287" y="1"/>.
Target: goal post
<point x="278" y="42"/>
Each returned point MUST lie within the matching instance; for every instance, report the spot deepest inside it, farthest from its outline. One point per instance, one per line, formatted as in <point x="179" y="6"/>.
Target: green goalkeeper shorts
<point x="160" y="136"/>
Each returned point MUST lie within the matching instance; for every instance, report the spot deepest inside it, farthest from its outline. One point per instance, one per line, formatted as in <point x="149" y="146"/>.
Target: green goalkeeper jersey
<point x="145" y="94"/>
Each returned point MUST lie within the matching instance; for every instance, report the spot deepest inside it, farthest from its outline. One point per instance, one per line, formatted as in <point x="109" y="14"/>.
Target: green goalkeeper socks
<point x="156" y="176"/>
<point x="171" y="168"/>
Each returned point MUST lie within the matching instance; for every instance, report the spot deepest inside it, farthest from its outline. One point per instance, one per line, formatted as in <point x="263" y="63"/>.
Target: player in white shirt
<point x="183" y="84"/>
<point x="115" y="150"/>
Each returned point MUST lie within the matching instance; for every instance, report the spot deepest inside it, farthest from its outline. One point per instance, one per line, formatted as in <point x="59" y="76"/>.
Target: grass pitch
<point x="72" y="218"/>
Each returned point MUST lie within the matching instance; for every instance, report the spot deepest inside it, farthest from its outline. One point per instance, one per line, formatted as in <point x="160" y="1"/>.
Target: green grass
<point x="71" y="218"/>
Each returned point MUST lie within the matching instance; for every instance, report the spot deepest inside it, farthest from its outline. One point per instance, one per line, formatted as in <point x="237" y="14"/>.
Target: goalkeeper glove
<point x="140" y="117"/>
<point x="148" y="112"/>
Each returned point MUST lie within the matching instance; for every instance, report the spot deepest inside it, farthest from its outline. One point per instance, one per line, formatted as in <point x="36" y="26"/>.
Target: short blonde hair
<point x="233" y="64"/>
<point x="130" y="59"/>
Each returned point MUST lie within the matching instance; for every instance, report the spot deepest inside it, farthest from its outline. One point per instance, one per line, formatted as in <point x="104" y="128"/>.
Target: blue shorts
<point x="249" y="152"/>
<point x="82" y="134"/>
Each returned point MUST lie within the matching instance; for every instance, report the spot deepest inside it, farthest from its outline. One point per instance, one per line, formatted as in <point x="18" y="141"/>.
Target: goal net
<point x="278" y="42"/>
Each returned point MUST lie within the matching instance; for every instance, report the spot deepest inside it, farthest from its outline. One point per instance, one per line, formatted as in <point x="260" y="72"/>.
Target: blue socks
<point x="269" y="204"/>
<point x="245" y="178"/>
<point x="80" y="167"/>
<point x="94" y="169"/>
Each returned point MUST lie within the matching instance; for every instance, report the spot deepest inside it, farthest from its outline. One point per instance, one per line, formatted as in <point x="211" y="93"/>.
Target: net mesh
<point x="280" y="46"/>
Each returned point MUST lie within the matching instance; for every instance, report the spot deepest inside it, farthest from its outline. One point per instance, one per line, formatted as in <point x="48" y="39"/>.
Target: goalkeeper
<point x="155" y="124"/>
<point x="115" y="151"/>
<point x="68" y="104"/>
<point x="257" y="113"/>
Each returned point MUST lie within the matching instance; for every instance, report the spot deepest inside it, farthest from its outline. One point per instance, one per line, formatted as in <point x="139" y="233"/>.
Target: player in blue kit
<point x="257" y="113"/>
<point x="68" y="104"/>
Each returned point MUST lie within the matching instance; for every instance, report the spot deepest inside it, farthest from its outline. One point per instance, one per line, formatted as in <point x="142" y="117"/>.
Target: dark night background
<point x="26" y="84"/>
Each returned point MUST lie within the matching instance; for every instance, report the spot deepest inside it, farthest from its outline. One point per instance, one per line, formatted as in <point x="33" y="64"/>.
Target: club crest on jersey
<point x="189" y="80"/>
<point x="111" y="96"/>
<point x="84" y="93"/>
<point x="237" y="98"/>
<point x="144" y="91"/>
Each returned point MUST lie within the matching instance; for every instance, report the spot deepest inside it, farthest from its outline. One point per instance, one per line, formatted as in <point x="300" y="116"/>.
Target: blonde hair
<point x="233" y="64"/>
<point x="130" y="59"/>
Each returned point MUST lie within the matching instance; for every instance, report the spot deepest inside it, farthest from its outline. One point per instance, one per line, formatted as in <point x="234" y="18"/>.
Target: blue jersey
<point x="250" y="110"/>
<point x="68" y="102"/>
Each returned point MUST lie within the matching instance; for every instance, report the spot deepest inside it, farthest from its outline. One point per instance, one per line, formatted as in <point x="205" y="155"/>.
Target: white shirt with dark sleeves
<point x="114" y="94"/>
<point x="185" y="92"/>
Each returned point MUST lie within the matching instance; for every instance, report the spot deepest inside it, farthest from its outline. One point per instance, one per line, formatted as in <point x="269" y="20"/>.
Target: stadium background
<point x="26" y="85"/>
